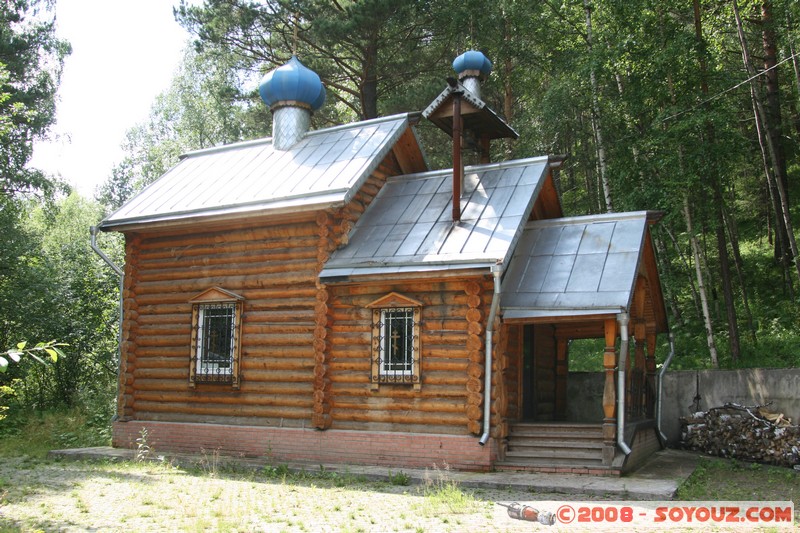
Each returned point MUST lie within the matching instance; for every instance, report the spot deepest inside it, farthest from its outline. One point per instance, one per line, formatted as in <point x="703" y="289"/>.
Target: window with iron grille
<point x="215" y="338"/>
<point x="395" y="341"/>
<point x="215" y="329"/>
<point x="396" y="350"/>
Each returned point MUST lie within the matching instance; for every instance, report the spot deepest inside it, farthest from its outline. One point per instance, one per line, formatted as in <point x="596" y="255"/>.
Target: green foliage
<point x="31" y="59"/>
<point x="15" y="354"/>
<point x="34" y="433"/>
<point x="399" y="478"/>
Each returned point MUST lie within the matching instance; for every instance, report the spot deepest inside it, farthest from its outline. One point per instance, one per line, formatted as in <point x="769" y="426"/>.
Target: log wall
<point x="452" y="327"/>
<point x="273" y="266"/>
<point x="273" y="263"/>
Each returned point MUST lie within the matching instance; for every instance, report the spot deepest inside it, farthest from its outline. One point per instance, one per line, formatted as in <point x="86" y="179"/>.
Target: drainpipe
<point x="120" y="273"/>
<point x="487" y="387"/>
<point x="664" y="367"/>
<point x="622" y="318"/>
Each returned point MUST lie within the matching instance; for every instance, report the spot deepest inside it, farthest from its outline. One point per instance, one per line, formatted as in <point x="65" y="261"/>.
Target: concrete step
<point x="535" y="442"/>
<point x="561" y="454"/>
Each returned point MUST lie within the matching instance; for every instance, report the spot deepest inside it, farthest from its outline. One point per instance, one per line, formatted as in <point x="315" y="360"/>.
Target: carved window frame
<point x="231" y="304"/>
<point x="385" y="310"/>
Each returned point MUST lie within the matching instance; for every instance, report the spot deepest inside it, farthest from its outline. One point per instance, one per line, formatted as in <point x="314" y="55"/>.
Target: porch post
<point x="609" y="392"/>
<point x="562" y="370"/>
<point x="638" y="402"/>
<point x="650" y="365"/>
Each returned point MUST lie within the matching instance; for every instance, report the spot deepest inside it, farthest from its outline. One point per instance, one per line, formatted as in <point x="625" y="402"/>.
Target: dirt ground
<point x="46" y="495"/>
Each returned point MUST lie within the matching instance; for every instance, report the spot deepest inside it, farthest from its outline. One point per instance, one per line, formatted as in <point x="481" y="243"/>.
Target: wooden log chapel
<point x="322" y="296"/>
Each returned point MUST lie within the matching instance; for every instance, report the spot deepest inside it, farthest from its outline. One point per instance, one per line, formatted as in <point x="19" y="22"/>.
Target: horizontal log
<point x="157" y="255"/>
<point x="279" y="376"/>
<point x="451" y="419"/>
<point x="224" y="398"/>
<point x="165" y="352"/>
<point x="146" y="319"/>
<point x="279" y="330"/>
<point x="149" y="362"/>
<point x="422" y="406"/>
<point x="339" y="338"/>
<point x="425" y="428"/>
<point x="172" y="341"/>
<point x="257" y="350"/>
<point x="275" y="363"/>
<point x="247" y="387"/>
<point x="228" y="270"/>
<point x="358" y="365"/>
<point x="162" y="373"/>
<point x="167" y="329"/>
<point x="276" y="340"/>
<point x="193" y="408"/>
<point x="222" y="256"/>
<point x="449" y="351"/>
<point x="345" y="390"/>
<point x="235" y="284"/>
<point x="267" y="232"/>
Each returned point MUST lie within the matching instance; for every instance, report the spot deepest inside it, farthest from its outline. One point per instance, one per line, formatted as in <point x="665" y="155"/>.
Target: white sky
<point x="124" y="52"/>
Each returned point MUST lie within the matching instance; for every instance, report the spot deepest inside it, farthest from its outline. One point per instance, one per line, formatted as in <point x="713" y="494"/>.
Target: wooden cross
<point x="395" y="338"/>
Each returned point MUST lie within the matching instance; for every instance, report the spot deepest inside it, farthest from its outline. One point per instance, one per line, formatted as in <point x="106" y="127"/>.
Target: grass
<point x="731" y="480"/>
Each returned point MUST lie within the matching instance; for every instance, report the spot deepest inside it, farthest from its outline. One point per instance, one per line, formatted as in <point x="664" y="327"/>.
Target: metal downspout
<point x="622" y="318"/>
<point x="664" y="367"/>
<point x="121" y="274"/>
<point x="487" y="387"/>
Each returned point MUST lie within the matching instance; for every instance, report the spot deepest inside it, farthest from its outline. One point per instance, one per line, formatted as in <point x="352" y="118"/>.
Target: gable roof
<point x="408" y="227"/>
<point x="575" y="266"/>
<point x="326" y="167"/>
<point x="475" y="114"/>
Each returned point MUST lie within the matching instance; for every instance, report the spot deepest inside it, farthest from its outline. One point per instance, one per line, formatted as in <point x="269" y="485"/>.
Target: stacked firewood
<point x="749" y="433"/>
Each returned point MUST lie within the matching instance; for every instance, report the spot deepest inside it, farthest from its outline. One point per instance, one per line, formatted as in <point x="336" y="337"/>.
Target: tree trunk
<point x="771" y="148"/>
<point x="712" y="347"/>
<point x="369" y="87"/>
<point x="773" y="109"/>
<point x="733" y="235"/>
<point x="772" y="190"/>
<point x="714" y="178"/>
<point x="596" y="126"/>
<point x="666" y="268"/>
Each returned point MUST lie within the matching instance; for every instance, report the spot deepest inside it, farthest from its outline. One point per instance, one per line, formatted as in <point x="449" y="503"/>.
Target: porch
<point x="584" y="423"/>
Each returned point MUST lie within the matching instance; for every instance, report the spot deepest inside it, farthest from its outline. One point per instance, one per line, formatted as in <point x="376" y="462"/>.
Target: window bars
<point x="214" y="356"/>
<point x="396" y="348"/>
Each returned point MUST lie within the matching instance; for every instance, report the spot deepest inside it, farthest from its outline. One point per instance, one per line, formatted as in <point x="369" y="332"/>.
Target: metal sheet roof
<point x="325" y="167"/>
<point x="408" y="227"/>
<point x="482" y="120"/>
<point x="574" y="266"/>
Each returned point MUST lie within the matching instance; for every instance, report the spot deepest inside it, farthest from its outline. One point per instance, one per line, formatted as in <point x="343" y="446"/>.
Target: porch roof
<point x="409" y="226"/>
<point x="575" y="267"/>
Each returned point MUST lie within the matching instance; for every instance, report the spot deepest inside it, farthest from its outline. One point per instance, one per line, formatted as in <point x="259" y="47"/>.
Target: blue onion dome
<point x="292" y="82"/>
<point x="472" y="60"/>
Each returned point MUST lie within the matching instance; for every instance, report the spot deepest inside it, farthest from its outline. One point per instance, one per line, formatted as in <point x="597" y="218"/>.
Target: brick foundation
<point x="410" y="450"/>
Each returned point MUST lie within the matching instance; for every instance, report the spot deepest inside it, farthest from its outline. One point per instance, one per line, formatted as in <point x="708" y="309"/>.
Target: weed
<point x="400" y="478"/>
<point x="143" y="449"/>
<point x="209" y="463"/>
<point x="443" y="494"/>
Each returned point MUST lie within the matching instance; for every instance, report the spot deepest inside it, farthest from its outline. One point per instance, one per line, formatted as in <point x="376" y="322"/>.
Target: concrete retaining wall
<point x="712" y="388"/>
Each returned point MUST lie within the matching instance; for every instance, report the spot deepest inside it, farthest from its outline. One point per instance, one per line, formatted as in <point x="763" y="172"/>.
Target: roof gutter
<point x="497" y="270"/>
<point x="93" y="231"/>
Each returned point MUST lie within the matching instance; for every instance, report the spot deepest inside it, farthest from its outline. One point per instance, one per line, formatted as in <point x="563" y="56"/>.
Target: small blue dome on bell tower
<point x="472" y="60"/>
<point x="292" y="82"/>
